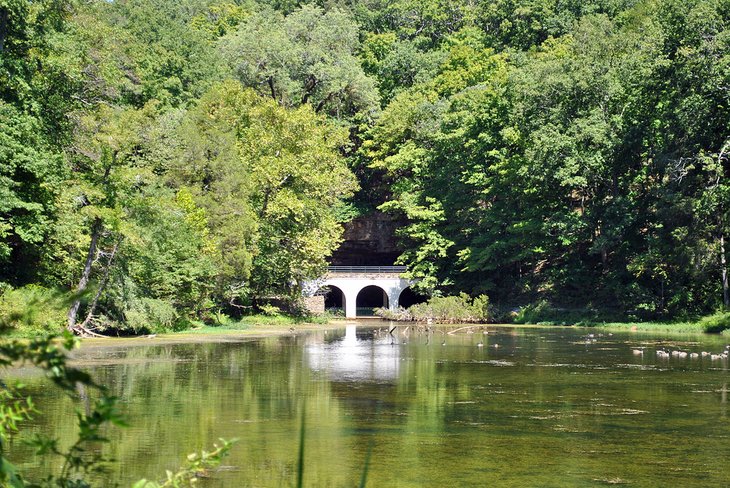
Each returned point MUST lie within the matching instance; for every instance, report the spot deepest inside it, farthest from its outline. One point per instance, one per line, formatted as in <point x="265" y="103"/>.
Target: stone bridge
<point x="359" y="289"/>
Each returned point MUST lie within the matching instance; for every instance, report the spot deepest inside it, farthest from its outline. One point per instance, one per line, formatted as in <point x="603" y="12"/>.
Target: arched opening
<point x="370" y="298"/>
<point x="334" y="300"/>
<point x="409" y="297"/>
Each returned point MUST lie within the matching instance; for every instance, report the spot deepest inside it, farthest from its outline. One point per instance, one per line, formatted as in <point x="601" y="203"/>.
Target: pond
<point x="514" y="407"/>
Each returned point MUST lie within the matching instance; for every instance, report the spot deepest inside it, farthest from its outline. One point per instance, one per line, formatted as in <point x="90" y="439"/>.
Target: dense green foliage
<point x="443" y="310"/>
<point x="718" y="322"/>
<point x="171" y="161"/>
<point x="576" y="154"/>
<point x="138" y="174"/>
<point x="16" y="408"/>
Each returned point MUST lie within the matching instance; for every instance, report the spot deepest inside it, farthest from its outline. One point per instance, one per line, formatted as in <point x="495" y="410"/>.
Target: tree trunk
<point x="312" y="82"/>
<point x="3" y="28"/>
<point x="723" y="266"/>
<point x="102" y="285"/>
<point x="85" y="275"/>
<point x="321" y="104"/>
<point x="271" y="87"/>
<point x="662" y="297"/>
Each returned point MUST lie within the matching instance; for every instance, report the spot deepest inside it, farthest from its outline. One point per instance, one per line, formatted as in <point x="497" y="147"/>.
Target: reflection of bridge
<point x="356" y="357"/>
<point x="361" y="288"/>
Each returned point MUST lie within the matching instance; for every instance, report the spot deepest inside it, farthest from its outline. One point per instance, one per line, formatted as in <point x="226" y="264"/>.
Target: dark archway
<point x="370" y="298"/>
<point x="409" y="297"/>
<point x="334" y="300"/>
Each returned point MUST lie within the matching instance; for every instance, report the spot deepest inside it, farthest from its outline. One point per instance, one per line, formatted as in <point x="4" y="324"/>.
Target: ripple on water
<point x="620" y="411"/>
<point x="561" y="365"/>
<point x="493" y="362"/>
<point x="612" y="481"/>
<point x="570" y="429"/>
<point x="642" y="367"/>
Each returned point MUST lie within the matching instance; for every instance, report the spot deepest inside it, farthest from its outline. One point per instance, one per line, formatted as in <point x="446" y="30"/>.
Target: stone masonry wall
<point x="315" y="304"/>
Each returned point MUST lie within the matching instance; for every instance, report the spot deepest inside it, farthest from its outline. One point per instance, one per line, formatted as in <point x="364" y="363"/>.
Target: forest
<point x="167" y="162"/>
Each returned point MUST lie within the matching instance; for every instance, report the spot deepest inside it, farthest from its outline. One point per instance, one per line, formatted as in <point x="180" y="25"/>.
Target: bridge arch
<point x="334" y="298"/>
<point x="409" y="297"/>
<point x="370" y="297"/>
<point x="352" y="280"/>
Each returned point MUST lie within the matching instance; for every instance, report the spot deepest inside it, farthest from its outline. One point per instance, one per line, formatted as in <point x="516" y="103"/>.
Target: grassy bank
<point x="244" y="330"/>
<point x="463" y="309"/>
<point x="676" y="327"/>
<point x="542" y="313"/>
<point x="258" y="323"/>
<point x="27" y="327"/>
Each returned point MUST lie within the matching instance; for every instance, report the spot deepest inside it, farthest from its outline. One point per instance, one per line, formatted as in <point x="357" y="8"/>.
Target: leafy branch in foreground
<point x="50" y="355"/>
<point x="79" y="460"/>
<point x="197" y="466"/>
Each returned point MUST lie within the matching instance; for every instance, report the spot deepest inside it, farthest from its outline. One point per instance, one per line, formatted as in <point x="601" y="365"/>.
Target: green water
<point x="546" y="407"/>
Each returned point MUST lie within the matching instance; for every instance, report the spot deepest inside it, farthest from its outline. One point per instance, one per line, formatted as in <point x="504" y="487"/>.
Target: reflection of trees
<point x="183" y="397"/>
<point x="447" y="416"/>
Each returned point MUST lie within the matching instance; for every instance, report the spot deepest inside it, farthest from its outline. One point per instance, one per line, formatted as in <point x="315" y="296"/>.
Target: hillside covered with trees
<point x="168" y="161"/>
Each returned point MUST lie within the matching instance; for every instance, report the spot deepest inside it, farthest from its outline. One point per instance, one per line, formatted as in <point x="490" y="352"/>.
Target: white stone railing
<point x="367" y="269"/>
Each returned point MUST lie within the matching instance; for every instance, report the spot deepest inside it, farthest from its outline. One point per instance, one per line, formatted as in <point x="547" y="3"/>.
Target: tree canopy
<point x="169" y="161"/>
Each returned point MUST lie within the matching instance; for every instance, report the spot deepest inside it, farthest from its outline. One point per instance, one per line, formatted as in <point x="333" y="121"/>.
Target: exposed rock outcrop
<point x="368" y="241"/>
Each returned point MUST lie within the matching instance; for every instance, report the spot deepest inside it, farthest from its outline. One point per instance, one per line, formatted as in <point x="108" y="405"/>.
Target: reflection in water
<point x="539" y="407"/>
<point x="355" y="359"/>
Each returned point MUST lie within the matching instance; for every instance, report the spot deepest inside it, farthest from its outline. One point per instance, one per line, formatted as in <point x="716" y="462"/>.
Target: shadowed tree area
<point x="408" y="297"/>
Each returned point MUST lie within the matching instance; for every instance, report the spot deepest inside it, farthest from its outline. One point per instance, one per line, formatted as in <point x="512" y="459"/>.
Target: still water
<point x="530" y="407"/>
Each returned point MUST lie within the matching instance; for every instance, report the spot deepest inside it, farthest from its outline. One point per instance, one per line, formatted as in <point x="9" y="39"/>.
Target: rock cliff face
<point x="368" y="241"/>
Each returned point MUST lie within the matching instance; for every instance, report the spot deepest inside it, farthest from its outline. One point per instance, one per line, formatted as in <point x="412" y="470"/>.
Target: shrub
<point x="33" y="310"/>
<point x="535" y="313"/>
<point x="151" y="314"/>
<point x="324" y="318"/>
<point x="452" y="309"/>
<point x="544" y="313"/>
<point x="221" y="319"/>
<point x="400" y="314"/>
<point x="716" y="323"/>
<point x="335" y="312"/>
<point x="270" y="310"/>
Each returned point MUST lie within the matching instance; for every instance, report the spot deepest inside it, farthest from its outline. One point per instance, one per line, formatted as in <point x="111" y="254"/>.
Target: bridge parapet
<point x="367" y="269"/>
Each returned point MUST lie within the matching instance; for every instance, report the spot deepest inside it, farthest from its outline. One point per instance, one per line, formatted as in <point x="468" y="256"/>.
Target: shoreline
<point x="209" y="335"/>
<point x="256" y="332"/>
<point x="93" y="351"/>
<point x="263" y="331"/>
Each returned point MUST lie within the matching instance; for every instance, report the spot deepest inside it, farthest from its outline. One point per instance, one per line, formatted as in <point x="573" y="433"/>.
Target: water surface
<point x="529" y="407"/>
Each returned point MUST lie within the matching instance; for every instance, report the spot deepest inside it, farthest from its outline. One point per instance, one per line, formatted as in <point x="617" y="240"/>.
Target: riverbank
<point x="249" y="330"/>
<point x="237" y="332"/>
<point x="30" y="328"/>
<point x="543" y="313"/>
<point x="261" y="327"/>
<point x="718" y="323"/>
<point x="648" y="327"/>
<point x="658" y="327"/>
<point x="698" y="327"/>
